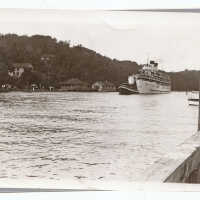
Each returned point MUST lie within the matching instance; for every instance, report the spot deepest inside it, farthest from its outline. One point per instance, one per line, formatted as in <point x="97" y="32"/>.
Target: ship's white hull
<point x="150" y="87"/>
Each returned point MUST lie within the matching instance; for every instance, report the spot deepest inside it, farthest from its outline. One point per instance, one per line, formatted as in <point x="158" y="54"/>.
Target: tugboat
<point x="129" y="87"/>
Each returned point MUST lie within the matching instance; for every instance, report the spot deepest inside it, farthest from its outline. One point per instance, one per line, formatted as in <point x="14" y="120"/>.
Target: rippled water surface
<point x="90" y="136"/>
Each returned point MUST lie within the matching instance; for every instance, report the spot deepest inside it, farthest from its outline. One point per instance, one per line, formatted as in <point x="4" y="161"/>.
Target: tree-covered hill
<point x="64" y="61"/>
<point x="57" y="61"/>
<point x="185" y="80"/>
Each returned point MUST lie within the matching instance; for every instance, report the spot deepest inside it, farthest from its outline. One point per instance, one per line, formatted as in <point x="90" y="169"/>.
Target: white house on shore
<point x="17" y="69"/>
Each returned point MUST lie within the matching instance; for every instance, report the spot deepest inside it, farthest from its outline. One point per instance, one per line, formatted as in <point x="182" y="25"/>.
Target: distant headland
<point x="38" y="61"/>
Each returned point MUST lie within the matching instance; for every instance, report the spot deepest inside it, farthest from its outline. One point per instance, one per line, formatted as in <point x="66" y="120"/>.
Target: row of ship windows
<point x="160" y="82"/>
<point x="164" y="80"/>
<point x="147" y="74"/>
<point x="156" y="86"/>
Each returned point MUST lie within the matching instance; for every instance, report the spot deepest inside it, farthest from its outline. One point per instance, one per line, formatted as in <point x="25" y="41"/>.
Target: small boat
<point x="129" y="87"/>
<point x="193" y="98"/>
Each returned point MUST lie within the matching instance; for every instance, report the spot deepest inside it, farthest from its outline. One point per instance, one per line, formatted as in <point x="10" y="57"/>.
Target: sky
<point x="172" y="39"/>
<point x="100" y="4"/>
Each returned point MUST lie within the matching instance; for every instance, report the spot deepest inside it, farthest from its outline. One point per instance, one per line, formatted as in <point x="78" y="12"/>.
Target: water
<point x="89" y="136"/>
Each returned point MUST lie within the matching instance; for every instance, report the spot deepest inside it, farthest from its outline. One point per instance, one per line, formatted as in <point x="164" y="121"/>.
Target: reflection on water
<point x="90" y="136"/>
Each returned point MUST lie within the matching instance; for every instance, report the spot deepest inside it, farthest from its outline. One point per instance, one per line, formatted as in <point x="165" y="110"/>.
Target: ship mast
<point x="148" y="60"/>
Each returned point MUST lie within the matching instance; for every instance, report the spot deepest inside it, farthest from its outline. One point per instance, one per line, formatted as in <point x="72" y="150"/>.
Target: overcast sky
<point x="100" y="4"/>
<point x="170" y="38"/>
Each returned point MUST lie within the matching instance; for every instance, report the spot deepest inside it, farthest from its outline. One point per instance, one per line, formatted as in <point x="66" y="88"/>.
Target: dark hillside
<point x="61" y="60"/>
<point x="57" y="61"/>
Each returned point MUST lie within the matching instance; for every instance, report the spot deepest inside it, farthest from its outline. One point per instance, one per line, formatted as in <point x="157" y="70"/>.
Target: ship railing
<point x="157" y="79"/>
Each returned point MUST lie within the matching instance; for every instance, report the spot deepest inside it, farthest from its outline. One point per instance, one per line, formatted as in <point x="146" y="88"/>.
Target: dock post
<point x="199" y="110"/>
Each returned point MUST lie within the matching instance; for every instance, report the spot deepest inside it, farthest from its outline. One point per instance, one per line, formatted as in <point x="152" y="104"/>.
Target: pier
<point x="180" y="165"/>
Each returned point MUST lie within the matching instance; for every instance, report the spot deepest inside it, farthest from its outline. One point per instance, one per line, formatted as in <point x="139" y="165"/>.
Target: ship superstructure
<point x="150" y="80"/>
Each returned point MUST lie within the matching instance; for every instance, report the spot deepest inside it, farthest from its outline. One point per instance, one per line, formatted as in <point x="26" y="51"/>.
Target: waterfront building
<point x="74" y="84"/>
<point x="104" y="86"/>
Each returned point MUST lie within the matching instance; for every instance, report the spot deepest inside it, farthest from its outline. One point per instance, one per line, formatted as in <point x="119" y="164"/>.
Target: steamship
<point x="150" y="80"/>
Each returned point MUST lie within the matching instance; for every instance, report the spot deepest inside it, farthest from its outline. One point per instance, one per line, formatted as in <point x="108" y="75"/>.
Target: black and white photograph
<point x="99" y="98"/>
